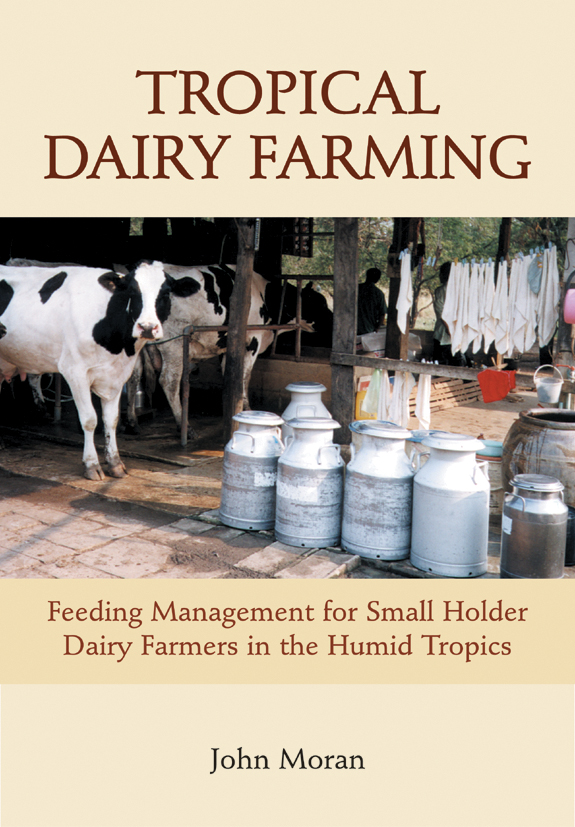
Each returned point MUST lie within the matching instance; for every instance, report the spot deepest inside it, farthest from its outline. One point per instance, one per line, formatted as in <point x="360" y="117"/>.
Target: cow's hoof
<point x="94" y="472"/>
<point x="132" y="430"/>
<point x="118" y="470"/>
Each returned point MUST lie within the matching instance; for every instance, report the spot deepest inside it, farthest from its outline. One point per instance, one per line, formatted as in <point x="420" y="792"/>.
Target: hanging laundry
<point x="403" y="384"/>
<point x="474" y="335"/>
<point x="405" y="297"/>
<point x="384" y="399"/>
<point x="449" y="311"/>
<point x="534" y="272"/>
<point x="423" y="401"/>
<point x="500" y="310"/>
<point x="370" y="401"/>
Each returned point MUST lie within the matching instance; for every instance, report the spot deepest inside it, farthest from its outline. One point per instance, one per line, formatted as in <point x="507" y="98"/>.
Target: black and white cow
<point x="88" y="324"/>
<point x="203" y="299"/>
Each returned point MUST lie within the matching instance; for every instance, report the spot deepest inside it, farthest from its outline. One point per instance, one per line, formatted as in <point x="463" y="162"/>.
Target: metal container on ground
<point x="542" y="441"/>
<point x="378" y="493"/>
<point x="305" y="403"/>
<point x="450" y="522"/>
<point x="310" y="485"/>
<point x="491" y="453"/>
<point x="533" y="528"/>
<point x="250" y="471"/>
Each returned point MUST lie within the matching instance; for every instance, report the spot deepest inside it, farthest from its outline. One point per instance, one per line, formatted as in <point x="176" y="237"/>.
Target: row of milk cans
<point x="287" y="474"/>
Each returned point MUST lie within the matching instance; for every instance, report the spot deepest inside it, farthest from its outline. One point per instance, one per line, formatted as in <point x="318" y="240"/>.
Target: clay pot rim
<point x="535" y="416"/>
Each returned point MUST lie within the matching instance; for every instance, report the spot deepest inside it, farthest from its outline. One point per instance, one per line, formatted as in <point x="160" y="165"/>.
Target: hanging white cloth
<point x="474" y="297"/>
<point x="449" y="312"/>
<point x="500" y="310"/>
<point x="405" y="297"/>
<point x="370" y="401"/>
<point x="378" y="395"/>
<point x="403" y="384"/>
<point x="384" y="399"/>
<point x="423" y="401"/>
<point x="459" y="339"/>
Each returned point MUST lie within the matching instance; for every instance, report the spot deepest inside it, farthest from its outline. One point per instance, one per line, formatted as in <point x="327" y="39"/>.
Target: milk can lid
<point x="452" y="442"/>
<point x="419" y="436"/>
<point x="377" y="427"/>
<point x="258" y="418"/>
<point x="537" y="482"/>
<point x="305" y="387"/>
<point x="316" y="423"/>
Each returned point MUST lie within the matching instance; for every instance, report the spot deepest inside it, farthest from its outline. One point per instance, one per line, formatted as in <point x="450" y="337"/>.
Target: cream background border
<point x="495" y="68"/>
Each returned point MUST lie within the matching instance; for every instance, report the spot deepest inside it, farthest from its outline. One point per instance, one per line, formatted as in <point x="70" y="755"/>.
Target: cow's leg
<point x="171" y="380"/>
<point x="88" y="420"/>
<point x="110" y="415"/>
<point x="253" y="347"/>
<point x="131" y="387"/>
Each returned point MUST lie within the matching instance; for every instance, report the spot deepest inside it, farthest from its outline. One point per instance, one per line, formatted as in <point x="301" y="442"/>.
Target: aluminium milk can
<point x="310" y="485"/>
<point x="305" y="403"/>
<point x="250" y="470"/>
<point x="378" y="493"/>
<point x="450" y="521"/>
<point x="534" y="528"/>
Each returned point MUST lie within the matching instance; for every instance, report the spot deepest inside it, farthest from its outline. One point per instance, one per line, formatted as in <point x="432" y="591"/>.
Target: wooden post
<point x="504" y="240"/>
<point x="344" y="323"/>
<point x="405" y="233"/>
<point x="238" y="320"/>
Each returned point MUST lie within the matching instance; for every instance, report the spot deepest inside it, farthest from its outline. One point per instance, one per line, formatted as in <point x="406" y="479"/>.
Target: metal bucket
<point x="450" y="525"/>
<point x="534" y="528"/>
<point x="250" y="471"/>
<point x="310" y="486"/>
<point x="548" y="387"/>
<point x="305" y="403"/>
<point x="378" y="493"/>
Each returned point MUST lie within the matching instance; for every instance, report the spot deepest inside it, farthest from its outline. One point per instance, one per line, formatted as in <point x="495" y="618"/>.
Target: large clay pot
<point x="542" y="441"/>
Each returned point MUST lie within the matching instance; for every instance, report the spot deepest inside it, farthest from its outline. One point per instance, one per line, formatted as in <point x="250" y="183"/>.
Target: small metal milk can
<point x="378" y="493"/>
<point x="250" y="470"/>
<point x="534" y="528"/>
<point x="305" y="403"/>
<point x="310" y="485"/>
<point x="450" y="523"/>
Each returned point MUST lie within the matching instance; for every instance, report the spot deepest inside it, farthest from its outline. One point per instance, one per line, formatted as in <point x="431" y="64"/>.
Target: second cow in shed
<point x="205" y="302"/>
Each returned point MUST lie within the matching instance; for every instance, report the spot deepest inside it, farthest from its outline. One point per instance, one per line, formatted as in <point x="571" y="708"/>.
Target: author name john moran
<point x="288" y="760"/>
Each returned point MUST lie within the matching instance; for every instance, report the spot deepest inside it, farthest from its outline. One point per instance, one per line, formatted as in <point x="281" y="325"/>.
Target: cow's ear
<point x="112" y="281"/>
<point x="184" y="287"/>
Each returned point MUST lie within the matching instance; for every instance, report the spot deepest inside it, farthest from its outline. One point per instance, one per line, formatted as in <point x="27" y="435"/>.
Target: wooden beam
<point x="344" y="322"/>
<point x="236" y="336"/>
<point x="451" y="371"/>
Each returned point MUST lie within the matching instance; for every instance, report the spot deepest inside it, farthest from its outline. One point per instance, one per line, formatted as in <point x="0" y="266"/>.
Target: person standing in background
<point x="371" y="304"/>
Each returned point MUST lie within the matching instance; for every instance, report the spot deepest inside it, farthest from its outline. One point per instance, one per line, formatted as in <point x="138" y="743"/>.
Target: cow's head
<point x="136" y="309"/>
<point x="138" y="295"/>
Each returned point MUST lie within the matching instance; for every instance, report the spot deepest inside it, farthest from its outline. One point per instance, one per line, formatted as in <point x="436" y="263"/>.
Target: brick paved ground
<point x="55" y="530"/>
<point x="161" y="521"/>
